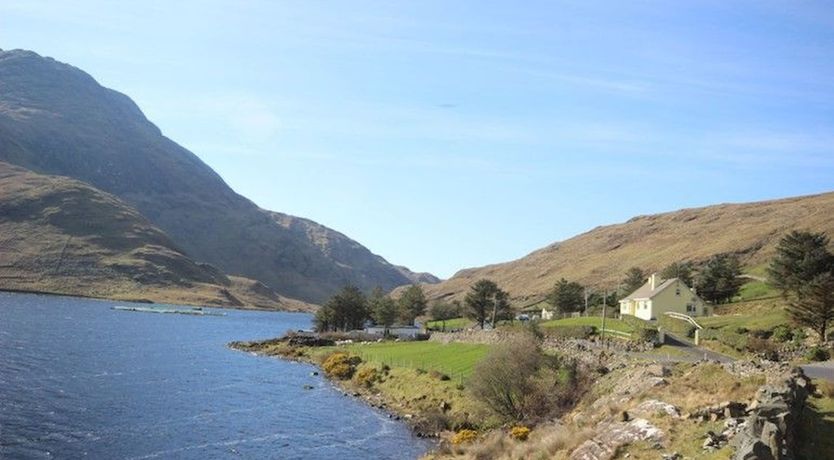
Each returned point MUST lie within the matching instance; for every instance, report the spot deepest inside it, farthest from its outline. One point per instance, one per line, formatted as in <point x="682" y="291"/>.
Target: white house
<point x="658" y="296"/>
<point x="400" y="332"/>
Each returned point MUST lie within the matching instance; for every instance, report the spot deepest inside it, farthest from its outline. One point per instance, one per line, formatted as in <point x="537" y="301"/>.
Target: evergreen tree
<point x="800" y="258"/>
<point x="719" y="280"/>
<point x="679" y="270"/>
<point x="814" y="306"/>
<point x="347" y="310"/>
<point x="383" y="309"/>
<point x="412" y="303"/>
<point x="486" y="301"/>
<point x="635" y="277"/>
<point x="567" y="296"/>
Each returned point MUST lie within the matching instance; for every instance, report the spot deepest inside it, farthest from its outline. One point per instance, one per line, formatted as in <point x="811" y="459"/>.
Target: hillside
<point x="56" y="119"/>
<point x="62" y="236"/>
<point x="601" y="256"/>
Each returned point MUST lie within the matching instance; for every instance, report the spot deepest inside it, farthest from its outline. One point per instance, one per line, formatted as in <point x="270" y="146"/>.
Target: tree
<point x="800" y="258"/>
<point x="347" y="310"/>
<point x="382" y="308"/>
<point x="719" y="280"/>
<point x="814" y="306"/>
<point x="635" y="277"/>
<point x="486" y="300"/>
<point x="442" y="311"/>
<point x="679" y="270"/>
<point x="567" y="296"/>
<point x="412" y="303"/>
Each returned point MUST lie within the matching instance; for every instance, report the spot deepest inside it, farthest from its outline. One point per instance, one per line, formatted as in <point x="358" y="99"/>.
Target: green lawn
<point x="454" y="359"/>
<point x="763" y="321"/>
<point x="756" y="290"/>
<point x="451" y="324"/>
<point x="610" y="323"/>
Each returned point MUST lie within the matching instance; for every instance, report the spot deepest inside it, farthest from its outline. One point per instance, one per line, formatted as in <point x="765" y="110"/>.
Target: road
<point x="823" y="370"/>
<point x="699" y="352"/>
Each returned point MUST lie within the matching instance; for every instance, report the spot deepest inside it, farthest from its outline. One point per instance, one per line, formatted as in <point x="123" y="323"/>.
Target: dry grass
<point x="551" y="441"/>
<point x="602" y="255"/>
<point x="695" y="386"/>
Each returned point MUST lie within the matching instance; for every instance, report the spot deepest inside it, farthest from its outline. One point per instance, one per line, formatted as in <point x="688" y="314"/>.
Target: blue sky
<point x="449" y="134"/>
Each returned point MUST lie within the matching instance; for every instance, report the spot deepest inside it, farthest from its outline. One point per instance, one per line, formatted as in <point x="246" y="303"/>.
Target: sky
<point x="450" y="134"/>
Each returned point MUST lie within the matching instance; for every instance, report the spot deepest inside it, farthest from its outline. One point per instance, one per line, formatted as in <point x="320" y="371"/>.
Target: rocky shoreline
<point x="375" y="400"/>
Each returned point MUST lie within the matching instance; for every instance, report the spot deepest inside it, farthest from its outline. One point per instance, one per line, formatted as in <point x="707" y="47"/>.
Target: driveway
<point x="823" y="370"/>
<point x="701" y="353"/>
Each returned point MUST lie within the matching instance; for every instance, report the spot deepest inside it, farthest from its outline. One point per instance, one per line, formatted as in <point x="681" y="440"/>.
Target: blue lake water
<point x="78" y="379"/>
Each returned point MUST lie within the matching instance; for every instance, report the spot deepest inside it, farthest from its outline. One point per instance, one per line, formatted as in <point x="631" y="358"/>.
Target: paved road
<point x="690" y="348"/>
<point x="824" y="370"/>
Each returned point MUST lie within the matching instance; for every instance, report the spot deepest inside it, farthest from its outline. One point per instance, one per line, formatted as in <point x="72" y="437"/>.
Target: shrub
<point x="340" y="365"/>
<point x="760" y="333"/>
<point x="764" y="347"/>
<point x="464" y="437"/>
<point x="645" y="334"/>
<point x="516" y="381"/>
<point x="782" y="333"/>
<point x="799" y="335"/>
<point x="520" y="433"/>
<point x="817" y="354"/>
<point x="366" y="376"/>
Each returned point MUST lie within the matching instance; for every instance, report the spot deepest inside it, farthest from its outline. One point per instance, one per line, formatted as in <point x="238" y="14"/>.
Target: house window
<point x="690" y="308"/>
<point x="677" y="291"/>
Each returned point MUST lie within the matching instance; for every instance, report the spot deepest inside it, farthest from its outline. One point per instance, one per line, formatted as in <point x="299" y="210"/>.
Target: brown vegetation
<point x="603" y="255"/>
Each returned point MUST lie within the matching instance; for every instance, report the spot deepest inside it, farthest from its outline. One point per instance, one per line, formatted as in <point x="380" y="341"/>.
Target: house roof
<point x="646" y="292"/>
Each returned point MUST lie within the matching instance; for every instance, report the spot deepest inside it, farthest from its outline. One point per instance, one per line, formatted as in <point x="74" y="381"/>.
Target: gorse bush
<point x="520" y="433"/>
<point x="340" y="365"/>
<point x="464" y="437"/>
<point x="366" y="376"/>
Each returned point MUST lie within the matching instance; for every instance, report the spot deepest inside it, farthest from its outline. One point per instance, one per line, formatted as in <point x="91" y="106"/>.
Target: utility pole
<point x="602" y="335"/>
<point x="585" y="313"/>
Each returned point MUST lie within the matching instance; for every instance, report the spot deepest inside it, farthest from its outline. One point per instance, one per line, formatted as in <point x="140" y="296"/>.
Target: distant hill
<point x="601" y="256"/>
<point x="59" y="235"/>
<point x="56" y="119"/>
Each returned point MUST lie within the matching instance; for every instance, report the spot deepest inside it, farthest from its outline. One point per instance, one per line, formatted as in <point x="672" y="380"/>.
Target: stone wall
<point x="769" y="430"/>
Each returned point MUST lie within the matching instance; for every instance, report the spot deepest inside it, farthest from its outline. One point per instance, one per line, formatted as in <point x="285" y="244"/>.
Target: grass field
<point x="610" y="323"/>
<point x="450" y="324"/>
<point x="762" y="320"/>
<point x="756" y="290"/>
<point x="456" y="360"/>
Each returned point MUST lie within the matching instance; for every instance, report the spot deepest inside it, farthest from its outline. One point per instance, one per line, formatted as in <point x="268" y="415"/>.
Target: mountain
<point x="59" y="235"/>
<point x="601" y="257"/>
<point x="56" y="119"/>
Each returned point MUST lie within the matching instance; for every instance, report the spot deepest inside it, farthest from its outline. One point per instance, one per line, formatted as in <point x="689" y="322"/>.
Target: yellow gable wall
<point x="667" y="301"/>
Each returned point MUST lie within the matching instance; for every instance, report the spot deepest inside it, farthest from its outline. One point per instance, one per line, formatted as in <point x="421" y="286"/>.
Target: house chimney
<point x="653" y="281"/>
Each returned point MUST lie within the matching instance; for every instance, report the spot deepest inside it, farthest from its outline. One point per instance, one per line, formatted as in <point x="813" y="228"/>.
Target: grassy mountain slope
<point x="56" y="119"/>
<point x="601" y="256"/>
<point x="59" y="235"/>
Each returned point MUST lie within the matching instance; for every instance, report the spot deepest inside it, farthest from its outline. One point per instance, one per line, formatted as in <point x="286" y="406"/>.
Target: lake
<point x="78" y="379"/>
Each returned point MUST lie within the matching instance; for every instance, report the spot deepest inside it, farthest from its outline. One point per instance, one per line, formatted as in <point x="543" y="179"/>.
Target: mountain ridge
<point x="56" y="119"/>
<point x="601" y="256"/>
<point x="59" y="235"/>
